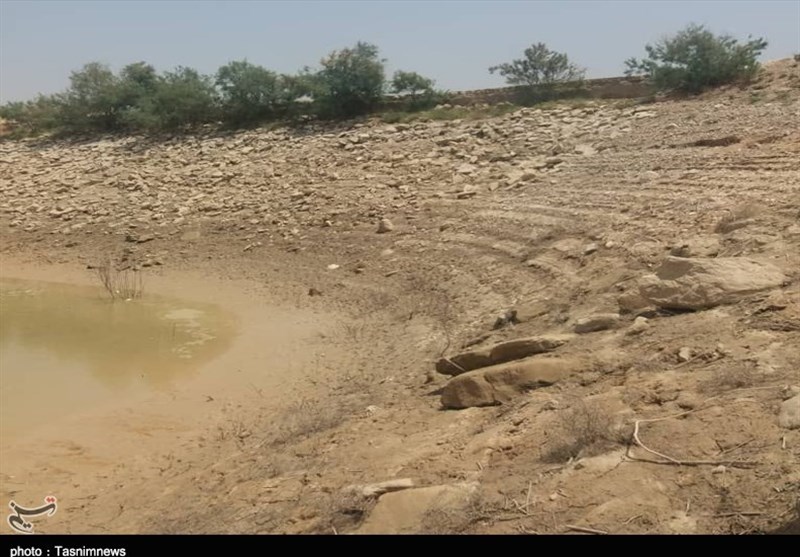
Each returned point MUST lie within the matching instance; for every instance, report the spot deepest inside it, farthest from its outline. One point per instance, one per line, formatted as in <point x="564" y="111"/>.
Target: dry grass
<point x="581" y="430"/>
<point x="307" y="417"/>
<point x="731" y="377"/>
<point x="123" y="285"/>
<point x="458" y="519"/>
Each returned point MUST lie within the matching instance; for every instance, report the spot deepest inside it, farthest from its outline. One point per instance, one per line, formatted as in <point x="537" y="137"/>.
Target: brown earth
<point x="540" y="222"/>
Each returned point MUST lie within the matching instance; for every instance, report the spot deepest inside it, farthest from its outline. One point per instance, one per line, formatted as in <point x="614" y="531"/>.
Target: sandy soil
<point x="555" y="214"/>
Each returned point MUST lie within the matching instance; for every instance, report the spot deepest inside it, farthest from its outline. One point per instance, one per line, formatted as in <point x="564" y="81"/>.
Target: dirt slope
<point x="557" y="214"/>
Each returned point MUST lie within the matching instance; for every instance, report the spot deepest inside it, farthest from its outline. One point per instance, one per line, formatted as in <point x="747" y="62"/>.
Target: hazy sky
<point x="453" y="41"/>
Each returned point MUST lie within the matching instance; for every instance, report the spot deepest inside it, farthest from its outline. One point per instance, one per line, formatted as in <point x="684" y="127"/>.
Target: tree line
<point x="348" y="82"/>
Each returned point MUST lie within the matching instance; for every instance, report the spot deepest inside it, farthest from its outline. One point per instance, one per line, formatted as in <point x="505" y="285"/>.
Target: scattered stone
<point x="702" y="283"/>
<point x="507" y="318"/>
<point x="314" y="292"/>
<point x="333" y="267"/>
<point x="598" y="322"/>
<point x="685" y="354"/>
<point x="500" y="383"/>
<point x="639" y="325"/>
<point x="384" y="226"/>
<point x="590" y="249"/>
<point x="789" y="416"/>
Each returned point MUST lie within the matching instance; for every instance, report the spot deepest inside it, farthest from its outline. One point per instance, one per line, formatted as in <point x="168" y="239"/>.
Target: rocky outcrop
<point x="500" y="353"/>
<point x="500" y="383"/>
<point x="702" y="283"/>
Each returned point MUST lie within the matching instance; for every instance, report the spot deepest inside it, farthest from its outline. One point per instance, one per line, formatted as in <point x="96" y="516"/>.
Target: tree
<point x="351" y="81"/>
<point x="92" y="100"/>
<point x="540" y="67"/>
<point x="695" y="59"/>
<point x="249" y="93"/>
<point x="137" y="81"/>
<point x="411" y="83"/>
<point x="181" y="98"/>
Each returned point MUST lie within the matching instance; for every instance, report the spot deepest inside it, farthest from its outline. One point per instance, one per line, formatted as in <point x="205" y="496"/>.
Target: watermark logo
<point x="18" y="517"/>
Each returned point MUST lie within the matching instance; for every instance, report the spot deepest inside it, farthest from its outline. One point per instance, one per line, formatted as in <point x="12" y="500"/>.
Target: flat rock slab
<point x="404" y="512"/>
<point x="500" y="353"/>
<point x="702" y="283"/>
<point x="596" y="322"/>
<point x="500" y="383"/>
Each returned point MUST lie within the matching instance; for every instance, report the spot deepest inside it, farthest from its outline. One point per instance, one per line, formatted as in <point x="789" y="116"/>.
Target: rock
<point x="499" y="354"/>
<point x="685" y="354"/>
<point x="598" y="322"/>
<point x="703" y="283"/>
<point x="640" y="325"/>
<point x="590" y="249"/>
<point x="633" y="302"/>
<point x="507" y="318"/>
<point x="698" y="246"/>
<point x="403" y="512"/>
<point x="378" y="489"/>
<point x="789" y="416"/>
<point x="384" y="226"/>
<point x="524" y="347"/>
<point x="464" y="362"/>
<point x="500" y="383"/>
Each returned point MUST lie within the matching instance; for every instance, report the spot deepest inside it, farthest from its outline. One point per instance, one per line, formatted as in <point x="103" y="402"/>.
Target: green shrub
<point x="541" y="70"/>
<point x="181" y="98"/>
<point x="351" y="81"/>
<point x="249" y="94"/>
<point x="91" y="102"/>
<point x="696" y="59"/>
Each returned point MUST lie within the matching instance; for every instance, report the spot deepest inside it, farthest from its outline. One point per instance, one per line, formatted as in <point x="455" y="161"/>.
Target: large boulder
<point x="499" y="354"/>
<point x="500" y="383"/>
<point x="702" y="283"/>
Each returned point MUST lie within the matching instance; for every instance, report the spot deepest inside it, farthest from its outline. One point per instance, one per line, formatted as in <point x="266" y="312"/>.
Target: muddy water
<point x="65" y="348"/>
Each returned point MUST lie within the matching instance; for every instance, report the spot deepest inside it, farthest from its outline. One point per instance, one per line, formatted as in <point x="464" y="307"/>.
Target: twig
<point x="674" y="461"/>
<point x="528" y="496"/>
<point x="584" y="529"/>
<point x="631" y="519"/>
<point x="739" y="446"/>
<point x="739" y="513"/>
<point x="669" y="460"/>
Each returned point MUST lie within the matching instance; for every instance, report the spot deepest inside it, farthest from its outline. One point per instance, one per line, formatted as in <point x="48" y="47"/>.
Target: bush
<point x="351" y="81"/>
<point x="540" y="67"/>
<point x="417" y="90"/>
<point x="182" y="98"/>
<point x="91" y="102"/>
<point x="249" y="93"/>
<point x="696" y="59"/>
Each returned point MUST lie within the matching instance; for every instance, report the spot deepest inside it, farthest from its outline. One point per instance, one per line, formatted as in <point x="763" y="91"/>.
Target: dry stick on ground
<point x="584" y="529"/>
<point x="674" y="461"/>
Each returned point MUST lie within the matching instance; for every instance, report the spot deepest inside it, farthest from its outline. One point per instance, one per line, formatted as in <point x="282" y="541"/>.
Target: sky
<point x="453" y="42"/>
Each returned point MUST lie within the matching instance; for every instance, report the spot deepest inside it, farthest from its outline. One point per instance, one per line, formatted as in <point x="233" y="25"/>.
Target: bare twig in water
<point x="123" y="284"/>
